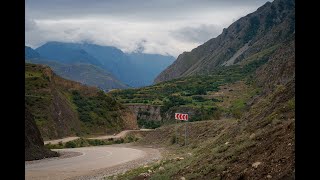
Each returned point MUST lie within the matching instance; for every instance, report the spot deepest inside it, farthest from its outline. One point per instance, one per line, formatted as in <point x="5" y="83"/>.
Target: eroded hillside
<point x="62" y="107"/>
<point x="260" y="144"/>
<point x="249" y="106"/>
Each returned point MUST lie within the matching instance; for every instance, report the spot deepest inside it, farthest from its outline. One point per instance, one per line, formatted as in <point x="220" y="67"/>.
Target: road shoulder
<point x="151" y="155"/>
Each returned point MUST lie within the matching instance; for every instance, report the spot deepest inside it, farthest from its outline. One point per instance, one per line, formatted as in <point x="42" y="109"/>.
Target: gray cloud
<point x="151" y="26"/>
<point x="140" y="46"/>
<point x="155" y="9"/>
<point x="198" y="34"/>
<point x="30" y="24"/>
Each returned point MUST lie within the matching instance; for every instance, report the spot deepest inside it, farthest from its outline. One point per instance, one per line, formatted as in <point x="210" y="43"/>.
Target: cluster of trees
<point x="99" y="110"/>
<point x="173" y="101"/>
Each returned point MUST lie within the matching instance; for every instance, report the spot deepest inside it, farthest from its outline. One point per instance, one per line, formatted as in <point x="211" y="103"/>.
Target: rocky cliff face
<point x="130" y="119"/>
<point x="265" y="28"/>
<point x="146" y="112"/>
<point x="153" y="113"/>
<point x="33" y="142"/>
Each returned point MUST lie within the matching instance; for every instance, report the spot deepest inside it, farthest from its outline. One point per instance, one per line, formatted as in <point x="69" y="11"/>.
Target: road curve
<point x="63" y="140"/>
<point x="122" y="134"/>
<point x="91" y="159"/>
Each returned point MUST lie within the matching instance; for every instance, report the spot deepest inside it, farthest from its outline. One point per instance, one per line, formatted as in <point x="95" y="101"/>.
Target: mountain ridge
<point x="135" y="69"/>
<point x="268" y="26"/>
<point x="87" y="74"/>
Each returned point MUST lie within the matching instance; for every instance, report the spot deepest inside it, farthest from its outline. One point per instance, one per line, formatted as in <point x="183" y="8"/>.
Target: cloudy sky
<point x="153" y="26"/>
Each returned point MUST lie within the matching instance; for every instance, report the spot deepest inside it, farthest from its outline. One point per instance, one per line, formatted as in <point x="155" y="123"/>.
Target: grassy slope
<point x="200" y="92"/>
<point x="227" y="149"/>
<point x="62" y="107"/>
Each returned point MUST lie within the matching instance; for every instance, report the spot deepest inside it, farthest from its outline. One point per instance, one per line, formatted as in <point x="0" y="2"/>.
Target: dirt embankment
<point x="227" y="150"/>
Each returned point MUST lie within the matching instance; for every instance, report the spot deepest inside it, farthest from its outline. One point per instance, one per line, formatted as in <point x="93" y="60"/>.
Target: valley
<point x="238" y="90"/>
<point x="105" y="67"/>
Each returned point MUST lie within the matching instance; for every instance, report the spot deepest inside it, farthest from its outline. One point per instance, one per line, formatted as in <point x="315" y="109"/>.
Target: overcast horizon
<point x="161" y="27"/>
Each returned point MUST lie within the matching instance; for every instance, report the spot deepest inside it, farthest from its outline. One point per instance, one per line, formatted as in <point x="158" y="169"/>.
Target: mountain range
<point x="129" y="69"/>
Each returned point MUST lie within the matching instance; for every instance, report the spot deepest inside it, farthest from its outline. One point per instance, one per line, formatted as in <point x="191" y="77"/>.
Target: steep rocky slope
<point x="255" y="138"/>
<point x="62" y="107"/>
<point x="33" y="142"/>
<point x="258" y="145"/>
<point x="260" y="31"/>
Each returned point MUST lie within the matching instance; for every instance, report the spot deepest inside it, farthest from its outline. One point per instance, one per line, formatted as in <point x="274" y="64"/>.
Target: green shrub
<point x="60" y="143"/>
<point x="119" y="141"/>
<point x="130" y="139"/>
<point x="198" y="98"/>
<point x="70" y="144"/>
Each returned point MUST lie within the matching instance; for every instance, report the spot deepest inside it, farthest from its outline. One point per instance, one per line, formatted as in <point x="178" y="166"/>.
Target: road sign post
<point x="177" y="132"/>
<point x="185" y="134"/>
<point x="182" y="117"/>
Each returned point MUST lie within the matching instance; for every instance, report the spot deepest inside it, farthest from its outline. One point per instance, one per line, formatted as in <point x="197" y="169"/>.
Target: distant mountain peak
<point x="135" y="69"/>
<point x="30" y="53"/>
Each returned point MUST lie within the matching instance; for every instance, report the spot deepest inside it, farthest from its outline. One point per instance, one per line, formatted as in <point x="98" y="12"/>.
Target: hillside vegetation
<point x="248" y="102"/>
<point x="200" y="93"/>
<point x="62" y="107"/>
<point x="258" y="145"/>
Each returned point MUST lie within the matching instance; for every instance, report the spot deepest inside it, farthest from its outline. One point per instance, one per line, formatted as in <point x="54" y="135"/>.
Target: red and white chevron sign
<point x="180" y="116"/>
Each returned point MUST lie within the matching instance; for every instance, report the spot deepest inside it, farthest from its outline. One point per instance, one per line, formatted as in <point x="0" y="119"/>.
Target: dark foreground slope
<point x="63" y="108"/>
<point x="33" y="142"/>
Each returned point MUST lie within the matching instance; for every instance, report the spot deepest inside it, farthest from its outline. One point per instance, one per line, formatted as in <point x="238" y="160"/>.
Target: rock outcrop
<point x="146" y="112"/>
<point x="33" y="142"/>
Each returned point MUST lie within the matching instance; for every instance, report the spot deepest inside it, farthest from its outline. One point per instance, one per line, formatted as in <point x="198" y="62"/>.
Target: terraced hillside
<point x="199" y="95"/>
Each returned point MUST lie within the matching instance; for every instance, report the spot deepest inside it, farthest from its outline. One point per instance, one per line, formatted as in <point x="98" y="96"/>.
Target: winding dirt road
<point x="89" y="160"/>
<point x="122" y="134"/>
<point x="63" y="140"/>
